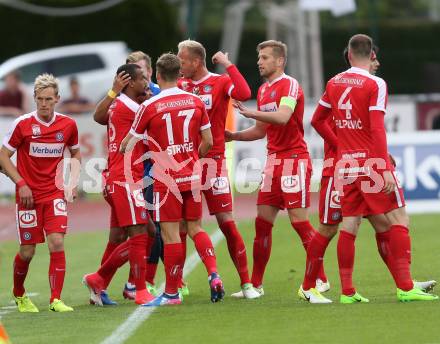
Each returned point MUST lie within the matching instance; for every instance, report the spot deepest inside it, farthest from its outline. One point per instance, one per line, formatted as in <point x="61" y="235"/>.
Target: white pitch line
<point x="129" y="326"/>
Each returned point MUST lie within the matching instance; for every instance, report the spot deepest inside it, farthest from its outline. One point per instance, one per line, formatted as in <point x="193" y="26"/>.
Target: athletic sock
<point x="315" y="257"/>
<point x="306" y="232"/>
<point x="346" y="253"/>
<point x="262" y="249"/>
<point x="237" y="249"/>
<point x="57" y="271"/>
<point x="21" y="268"/>
<point x="205" y="250"/>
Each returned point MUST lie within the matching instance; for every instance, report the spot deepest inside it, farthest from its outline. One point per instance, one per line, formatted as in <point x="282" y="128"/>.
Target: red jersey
<point x="40" y="148"/>
<point x="216" y="91"/>
<point x="330" y="153"/>
<point x="121" y="116"/>
<point x="352" y="95"/>
<point x="173" y="120"/>
<point x="289" y="138"/>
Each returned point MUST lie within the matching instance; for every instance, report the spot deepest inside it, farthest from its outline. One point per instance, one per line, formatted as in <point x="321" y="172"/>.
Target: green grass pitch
<point x="278" y="317"/>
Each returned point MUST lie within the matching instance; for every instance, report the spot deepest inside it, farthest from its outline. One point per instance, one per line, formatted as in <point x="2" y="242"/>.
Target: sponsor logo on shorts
<point x="144" y="214"/>
<point x="59" y="136"/>
<point x="335" y="200"/>
<point x="290" y="184"/>
<point x="139" y="200"/>
<point x="27" y="218"/>
<point x="224" y="205"/>
<point x="336" y="216"/>
<point x="219" y="185"/>
<point x="27" y="236"/>
<point x="46" y="150"/>
<point x="59" y="207"/>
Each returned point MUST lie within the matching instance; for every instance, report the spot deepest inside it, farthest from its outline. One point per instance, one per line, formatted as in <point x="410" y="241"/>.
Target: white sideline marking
<point x="140" y="314"/>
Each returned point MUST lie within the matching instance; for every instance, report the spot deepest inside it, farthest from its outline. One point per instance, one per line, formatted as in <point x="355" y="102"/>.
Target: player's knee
<point x="56" y="244"/>
<point x="223" y="217"/>
<point x="329" y="231"/>
<point x="27" y="252"/>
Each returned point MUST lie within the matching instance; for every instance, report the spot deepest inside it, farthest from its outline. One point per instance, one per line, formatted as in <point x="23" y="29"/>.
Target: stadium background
<point x="406" y="32"/>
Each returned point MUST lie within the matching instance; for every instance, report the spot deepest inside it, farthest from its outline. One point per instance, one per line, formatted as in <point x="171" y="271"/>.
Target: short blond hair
<point x="45" y="81"/>
<point x="137" y="56"/>
<point x="279" y="48"/>
<point x="194" y="48"/>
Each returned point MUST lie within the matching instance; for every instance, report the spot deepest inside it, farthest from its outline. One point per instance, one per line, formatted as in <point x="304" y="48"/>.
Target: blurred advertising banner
<point x="428" y="115"/>
<point x="417" y="157"/>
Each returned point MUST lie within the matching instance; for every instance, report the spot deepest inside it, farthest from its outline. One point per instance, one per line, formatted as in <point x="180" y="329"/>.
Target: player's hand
<point x="393" y="162"/>
<point x="71" y="194"/>
<point x="229" y="136"/>
<point x="120" y="81"/>
<point x="26" y="198"/>
<point x="246" y="112"/>
<point x="221" y="58"/>
<point x="389" y="182"/>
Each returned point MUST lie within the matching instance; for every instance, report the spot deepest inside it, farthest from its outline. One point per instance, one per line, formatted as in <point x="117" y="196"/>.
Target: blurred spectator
<point x="76" y="104"/>
<point x="13" y="98"/>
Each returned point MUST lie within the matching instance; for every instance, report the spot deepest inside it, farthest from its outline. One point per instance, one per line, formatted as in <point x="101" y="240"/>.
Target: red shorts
<point x="358" y="202"/>
<point x="216" y="187"/>
<point x="286" y="184"/>
<point x="169" y="208"/>
<point x="128" y="207"/>
<point x="44" y="219"/>
<point x="330" y="212"/>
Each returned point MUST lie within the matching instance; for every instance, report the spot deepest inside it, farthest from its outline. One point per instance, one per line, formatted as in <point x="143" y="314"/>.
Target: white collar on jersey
<point x="130" y="103"/>
<point x="47" y="124"/>
<point x="165" y="93"/>
<point x="277" y="79"/>
<point x="358" y="70"/>
<point x="206" y="77"/>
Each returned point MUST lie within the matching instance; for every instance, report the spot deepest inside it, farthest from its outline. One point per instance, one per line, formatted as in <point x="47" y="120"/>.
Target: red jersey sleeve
<point x="236" y="85"/>
<point x="14" y="136"/>
<point x="320" y="123"/>
<point x="204" y="122"/>
<point x="325" y="101"/>
<point x="378" y="96"/>
<point x="140" y="122"/>
<point x="73" y="141"/>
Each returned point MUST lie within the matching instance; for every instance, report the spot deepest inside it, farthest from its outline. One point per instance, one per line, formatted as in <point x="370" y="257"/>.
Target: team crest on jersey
<point x="196" y="90"/>
<point x="220" y="185"/>
<point x="290" y="184"/>
<point x="335" y="200"/>
<point x="207" y="88"/>
<point x="36" y="130"/>
<point x="184" y="85"/>
<point x="59" y="136"/>
<point x="27" y="218"/>
<point x="273" y="94"/>
<point x="59" y="207"/>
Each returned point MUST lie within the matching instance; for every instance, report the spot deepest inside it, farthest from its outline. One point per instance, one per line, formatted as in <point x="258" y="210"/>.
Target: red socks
<point x="173" y="267"/>
<point x="118" y="258"/>
<point x="383" y="246"/>
<point x="137" y="256"/>
<point x="262" y="248"/>
<point x="400" y="257"/>
<point x="21" y="268"/>
<point x="108" y="251"/>
<point x="57" y="270"/>
<point x="346" y="251"/>
<point x="205" y="250"/>
<point x="306" y="232"/>
<point x="237" y="249"/>
<point x="315" y="257"/>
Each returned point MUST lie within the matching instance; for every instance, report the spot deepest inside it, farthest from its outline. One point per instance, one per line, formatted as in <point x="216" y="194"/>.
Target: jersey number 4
<point x="188" y="114"/>
<point x="347" y="105"/>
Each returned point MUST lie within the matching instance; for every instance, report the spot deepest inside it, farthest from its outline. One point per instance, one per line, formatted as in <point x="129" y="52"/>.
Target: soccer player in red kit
<point x="330" y="214"/>
<point x="40" y="138"/>
<point x="179" y="133"/>
<point x="123" y="192"/>
<point x="286" y="177"/>
<point x="216" y="92"/>
<point x="357" y="101"/>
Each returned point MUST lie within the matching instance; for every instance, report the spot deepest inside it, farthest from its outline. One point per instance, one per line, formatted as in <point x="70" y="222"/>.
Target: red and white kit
<point x="216" y="92"/>
<point x="358" y="101"/>
<point x="173" y="120"/>
<point x="286" y="176"/>
<point x="123" y="176"/>
<point x="40" y="150"/>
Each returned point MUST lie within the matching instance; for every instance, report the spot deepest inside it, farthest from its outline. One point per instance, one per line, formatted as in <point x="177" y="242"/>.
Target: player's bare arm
<point x="281" y="116"/>
<point x="24" y="191"/>
<point x="256" y="132"/>
<point x="101" y="112"/>
<point x="206" y="142"/>
<point x="128" y="143"/>
<point x="71" y="194"/>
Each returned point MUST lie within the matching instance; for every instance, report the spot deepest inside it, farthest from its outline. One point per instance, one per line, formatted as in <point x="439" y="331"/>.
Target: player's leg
<point x="156" y="253"/>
